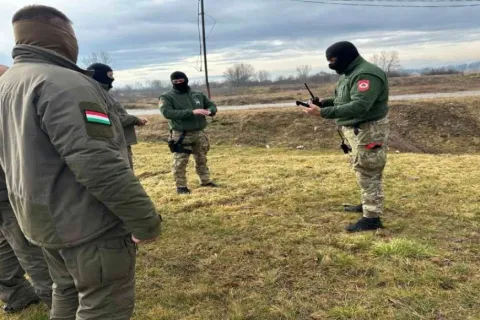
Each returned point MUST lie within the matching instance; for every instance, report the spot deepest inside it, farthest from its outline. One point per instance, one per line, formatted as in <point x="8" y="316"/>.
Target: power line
<point x="350" y="3"/>
<point x="214" y="24"/>
<point x="205" y="48"/>
<point x="199" y="58"/>
<point x="414" y="1"/>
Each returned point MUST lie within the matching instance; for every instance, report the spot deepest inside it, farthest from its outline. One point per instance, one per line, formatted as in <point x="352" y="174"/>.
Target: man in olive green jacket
<point x="104" y="75"/>
<point x="68" y="177"/>
<point x="186" y="111"/>
<point x="17" y="257"/>
<point x="360" y="108"/>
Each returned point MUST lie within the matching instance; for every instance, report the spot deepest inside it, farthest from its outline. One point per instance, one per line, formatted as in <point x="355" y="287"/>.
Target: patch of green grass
<point x="402" y="248"/>
<point x="348" y="312"/>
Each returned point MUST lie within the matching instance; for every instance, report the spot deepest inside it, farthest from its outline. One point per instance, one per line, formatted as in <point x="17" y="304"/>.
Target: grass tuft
<point x="402" y="248"/>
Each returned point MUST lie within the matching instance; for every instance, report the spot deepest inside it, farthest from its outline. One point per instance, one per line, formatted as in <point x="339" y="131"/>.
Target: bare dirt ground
<point x="433" y="126"/>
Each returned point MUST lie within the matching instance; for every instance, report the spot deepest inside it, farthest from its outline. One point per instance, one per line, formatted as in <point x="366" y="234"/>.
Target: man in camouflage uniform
<point x="186" y="111"/>
<point x="69" y="182"/>
<point x="17" y="255"/>
<point x="104" y="75"/>
<point x="360" y="108"/>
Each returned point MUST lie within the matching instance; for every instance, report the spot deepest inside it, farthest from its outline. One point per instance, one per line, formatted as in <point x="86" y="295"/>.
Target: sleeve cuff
<point x="326" y="112"/>
<point x="149" y="233"/>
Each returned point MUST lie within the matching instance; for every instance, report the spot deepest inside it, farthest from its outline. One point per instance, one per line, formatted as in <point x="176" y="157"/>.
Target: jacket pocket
<point x="371" y="160"/>
<point x="206" y="143"/>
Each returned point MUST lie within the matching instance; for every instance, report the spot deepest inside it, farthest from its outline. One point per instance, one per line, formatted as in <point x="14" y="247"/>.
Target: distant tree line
<point x="243" y="75"/>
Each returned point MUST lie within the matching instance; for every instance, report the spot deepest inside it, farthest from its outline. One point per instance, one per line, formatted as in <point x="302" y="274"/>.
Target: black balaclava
<point x="345" y="52"/>
<point x="182" y="87"/>
<point x="101" y="75"/>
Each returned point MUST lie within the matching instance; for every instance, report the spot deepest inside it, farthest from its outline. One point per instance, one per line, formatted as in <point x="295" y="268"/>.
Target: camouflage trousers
<point x="199" y="145"/>
<point x="18" y="256"/>
<point x="368" y="160"/>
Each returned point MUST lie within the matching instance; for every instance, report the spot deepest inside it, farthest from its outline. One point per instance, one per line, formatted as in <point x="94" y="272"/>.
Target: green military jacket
<point x="65" y="156"/>
<point x="361" y="95"/>
<point x="128" y="122"/>
<point x="178" y="109"/>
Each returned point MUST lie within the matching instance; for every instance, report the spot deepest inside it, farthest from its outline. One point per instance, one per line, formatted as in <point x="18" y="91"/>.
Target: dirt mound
<point x="436" y="127"/>
<point x="440" y="126"/>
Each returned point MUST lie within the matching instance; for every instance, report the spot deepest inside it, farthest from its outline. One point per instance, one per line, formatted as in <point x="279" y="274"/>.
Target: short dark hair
<point x="42" y="13"/>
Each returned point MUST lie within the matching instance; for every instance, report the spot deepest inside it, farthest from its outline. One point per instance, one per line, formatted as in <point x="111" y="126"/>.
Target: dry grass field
<point x="269" y="243"/>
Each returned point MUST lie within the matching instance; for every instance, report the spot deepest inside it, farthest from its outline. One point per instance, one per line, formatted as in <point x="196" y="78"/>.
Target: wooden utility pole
<point x="205" y="49"/>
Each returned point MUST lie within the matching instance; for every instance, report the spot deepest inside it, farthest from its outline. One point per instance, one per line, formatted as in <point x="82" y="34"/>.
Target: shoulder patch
<point x="97" y="122"/>
<point x="97" y="117"/>
<point x="363" y="85"/>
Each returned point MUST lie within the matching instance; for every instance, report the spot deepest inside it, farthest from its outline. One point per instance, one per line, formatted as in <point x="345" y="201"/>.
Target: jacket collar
<point x="28" y="53"/>
<point x="354" y="64"/>
<point x="178" y="92"/>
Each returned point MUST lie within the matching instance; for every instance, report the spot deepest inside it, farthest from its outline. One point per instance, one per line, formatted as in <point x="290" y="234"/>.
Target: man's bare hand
<point x="312" y="109"/>
<point x="142" y="122"/>
<point x="201" y="112"/>
<point x="142" y="241"/>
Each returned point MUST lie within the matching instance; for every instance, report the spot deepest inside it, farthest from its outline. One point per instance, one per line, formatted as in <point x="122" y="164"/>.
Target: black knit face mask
<point x="180" y="81"/>
<point x="341" y="55"/>
<point x="103" y="74"/>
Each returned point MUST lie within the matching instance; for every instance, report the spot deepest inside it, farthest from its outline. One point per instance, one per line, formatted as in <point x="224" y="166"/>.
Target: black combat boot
<point x="9" y="309"/>
<point x="350" y="208"/>
<point x="365" y="224"/>
<point x="183" y="190"/>
<point x="210" y="185"/>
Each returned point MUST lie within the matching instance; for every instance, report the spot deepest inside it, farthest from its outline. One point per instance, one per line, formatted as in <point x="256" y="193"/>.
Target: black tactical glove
<point x="316" y="101"/>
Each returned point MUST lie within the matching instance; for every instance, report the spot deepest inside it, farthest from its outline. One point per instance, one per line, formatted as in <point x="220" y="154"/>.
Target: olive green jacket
<point x="128" y="122"/>
<point x="361" y="95"/>
<point x="178" y="109"/>
<point x="65" y="156"/>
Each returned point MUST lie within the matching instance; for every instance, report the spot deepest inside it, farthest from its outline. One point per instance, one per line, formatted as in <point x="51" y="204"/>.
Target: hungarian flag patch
<point x="97" y="117"/>
<point x="363" y="85"/>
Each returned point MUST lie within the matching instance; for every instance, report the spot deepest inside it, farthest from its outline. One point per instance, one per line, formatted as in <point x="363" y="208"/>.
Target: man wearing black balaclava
<point x="360" y="108"/>
<point x="103" y="74"/>
<point x="186" y="111"/>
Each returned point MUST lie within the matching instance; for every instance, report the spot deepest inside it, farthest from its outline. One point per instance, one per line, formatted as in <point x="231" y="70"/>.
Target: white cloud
<point x="149" y="39"/>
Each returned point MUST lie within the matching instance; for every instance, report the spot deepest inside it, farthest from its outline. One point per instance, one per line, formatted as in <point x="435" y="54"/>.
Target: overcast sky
<point x="149" y="39"/>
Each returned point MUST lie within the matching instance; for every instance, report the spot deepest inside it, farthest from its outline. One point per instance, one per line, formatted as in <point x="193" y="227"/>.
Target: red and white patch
<point x="363" y="85"/>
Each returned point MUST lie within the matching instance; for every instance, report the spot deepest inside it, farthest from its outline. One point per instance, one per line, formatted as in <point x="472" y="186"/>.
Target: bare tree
<point x="97" y="57"/>
<point x="389" y="61"/>
<point x="158" y="84"/>
<point x="376" y="60"/>
<point x="303" y="72"/>
<point x="239" y="74"/>
<point x="263" y="76"/>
